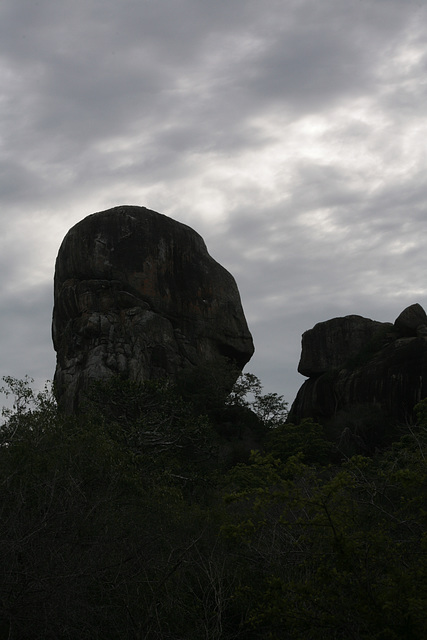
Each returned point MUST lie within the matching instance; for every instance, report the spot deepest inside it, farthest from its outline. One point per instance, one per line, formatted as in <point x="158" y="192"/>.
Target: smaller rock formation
<point x="330" y="345"/>
<point x="136" y="294"/>
<point x="373" y="371"/>
<point x="412" y="322"/>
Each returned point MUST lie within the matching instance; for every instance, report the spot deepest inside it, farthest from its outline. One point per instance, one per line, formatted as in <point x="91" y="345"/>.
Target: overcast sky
<point x="291" y="134"/>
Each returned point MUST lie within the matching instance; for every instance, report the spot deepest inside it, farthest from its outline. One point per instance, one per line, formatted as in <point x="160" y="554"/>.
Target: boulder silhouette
<point x="137" y="294"/>
<point x="363" y="373"/>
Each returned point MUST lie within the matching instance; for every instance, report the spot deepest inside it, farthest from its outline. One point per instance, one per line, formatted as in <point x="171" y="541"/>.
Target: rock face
<point x="329" y="345"/>
<point x="137" y="294"/>
<point x="412" y="321"/>
<point x="360" y="366"/>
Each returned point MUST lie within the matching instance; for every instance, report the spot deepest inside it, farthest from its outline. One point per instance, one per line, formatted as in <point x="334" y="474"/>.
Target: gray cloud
<point x="291" y="136"/>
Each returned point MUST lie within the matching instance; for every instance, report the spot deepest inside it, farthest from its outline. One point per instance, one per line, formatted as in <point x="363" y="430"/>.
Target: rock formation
<point x="360" y="367"/>
<point x="137" y="294"/>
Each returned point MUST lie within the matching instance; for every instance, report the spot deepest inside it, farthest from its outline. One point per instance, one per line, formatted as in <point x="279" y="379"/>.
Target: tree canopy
<point x="133" y="520"/>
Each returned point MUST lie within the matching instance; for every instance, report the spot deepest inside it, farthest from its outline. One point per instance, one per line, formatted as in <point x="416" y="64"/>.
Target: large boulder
<point x="412" y="322"/>
<point x="368" y="371"/>
<point x="136" y="294"/>
<point x="330" y="345"/>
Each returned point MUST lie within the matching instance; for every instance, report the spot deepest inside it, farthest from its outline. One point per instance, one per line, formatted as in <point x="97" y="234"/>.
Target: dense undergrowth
<point x="146" y="517"/>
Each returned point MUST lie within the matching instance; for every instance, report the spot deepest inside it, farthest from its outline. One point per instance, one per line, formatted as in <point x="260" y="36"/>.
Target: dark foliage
<point x="127" y="522"/>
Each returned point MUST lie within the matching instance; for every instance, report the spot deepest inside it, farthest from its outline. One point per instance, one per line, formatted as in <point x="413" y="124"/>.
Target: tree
<point x="270" y="408"/>
<point x="119" y="523"/>
<point x="100" y="536"/>
<point x="307" y="438"/>
<point x="333" y="552"/>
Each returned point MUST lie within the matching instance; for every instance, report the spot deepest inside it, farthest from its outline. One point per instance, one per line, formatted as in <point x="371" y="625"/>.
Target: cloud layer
<point x="290" y="135"/>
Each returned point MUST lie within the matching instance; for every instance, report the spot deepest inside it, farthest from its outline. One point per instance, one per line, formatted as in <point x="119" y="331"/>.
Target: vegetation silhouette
<point x="137" y="519"/>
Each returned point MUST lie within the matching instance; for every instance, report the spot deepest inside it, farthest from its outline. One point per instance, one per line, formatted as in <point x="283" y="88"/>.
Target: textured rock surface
<point x="329" y="345"/>
<point x="136" y="293"/>
<point x="412" y="321"/>
<point x="355" y="362"/>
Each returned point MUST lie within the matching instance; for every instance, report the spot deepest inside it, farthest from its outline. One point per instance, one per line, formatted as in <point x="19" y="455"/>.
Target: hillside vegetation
<point x="147" y="517"/>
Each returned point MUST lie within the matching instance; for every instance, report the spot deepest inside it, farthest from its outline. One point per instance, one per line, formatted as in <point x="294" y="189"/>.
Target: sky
<point x="291" y="134"/>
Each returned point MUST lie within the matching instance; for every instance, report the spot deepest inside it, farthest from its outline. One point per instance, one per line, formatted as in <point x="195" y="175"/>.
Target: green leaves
<point x="339" y="552"/>
<point x="307" y="438"/>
